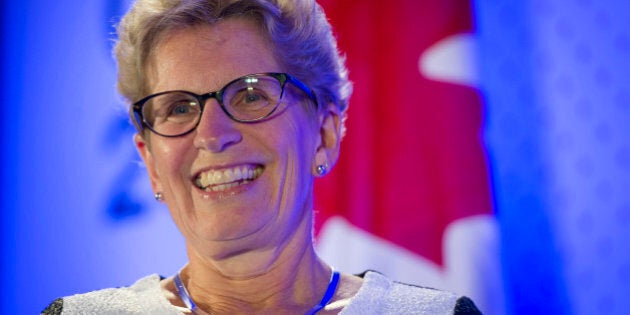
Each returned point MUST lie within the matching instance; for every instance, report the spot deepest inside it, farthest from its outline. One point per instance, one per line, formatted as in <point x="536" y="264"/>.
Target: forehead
<point x="204" y="58"/>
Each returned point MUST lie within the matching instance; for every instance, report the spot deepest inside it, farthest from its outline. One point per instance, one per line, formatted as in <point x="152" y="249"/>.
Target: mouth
<point x="228" y="178"/>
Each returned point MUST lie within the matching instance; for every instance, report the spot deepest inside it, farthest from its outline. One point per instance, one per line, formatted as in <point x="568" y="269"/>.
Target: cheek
<point x="171" y="157"/>
<point x="300" y="123"/>
<point x="300" y="145"/>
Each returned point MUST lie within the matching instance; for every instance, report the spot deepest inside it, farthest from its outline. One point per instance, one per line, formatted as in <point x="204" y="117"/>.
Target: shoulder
<point x="384" y="296"/>
<point x="143" y="297"/>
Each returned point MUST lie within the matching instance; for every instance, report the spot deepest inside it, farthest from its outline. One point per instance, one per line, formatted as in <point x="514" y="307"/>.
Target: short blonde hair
<point x="300" y="34"/>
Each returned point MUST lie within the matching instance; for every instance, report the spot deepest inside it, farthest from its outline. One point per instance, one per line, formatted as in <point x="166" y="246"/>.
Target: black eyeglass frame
<point x="140" y="122"/>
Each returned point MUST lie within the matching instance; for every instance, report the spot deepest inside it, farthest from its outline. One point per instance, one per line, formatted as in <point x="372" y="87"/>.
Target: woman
<point x="239" y="106"/>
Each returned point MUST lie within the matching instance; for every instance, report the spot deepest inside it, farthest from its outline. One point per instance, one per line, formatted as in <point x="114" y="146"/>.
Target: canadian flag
<point x="410" y="196"/>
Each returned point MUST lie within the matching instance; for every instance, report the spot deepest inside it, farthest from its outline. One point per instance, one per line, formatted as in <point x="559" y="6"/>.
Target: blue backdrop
<point x="77" y="213"/>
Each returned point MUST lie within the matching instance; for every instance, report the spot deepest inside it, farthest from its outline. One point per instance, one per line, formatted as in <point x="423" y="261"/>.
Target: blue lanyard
<point x="330" y="292"/>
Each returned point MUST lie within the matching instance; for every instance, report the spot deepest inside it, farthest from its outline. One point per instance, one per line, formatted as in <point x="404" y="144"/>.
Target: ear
<point x="329" y="140"/>
<point x="145" y="152"/>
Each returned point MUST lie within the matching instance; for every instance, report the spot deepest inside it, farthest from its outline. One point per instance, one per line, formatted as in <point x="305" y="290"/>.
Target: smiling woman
<point x="239" y="107"/>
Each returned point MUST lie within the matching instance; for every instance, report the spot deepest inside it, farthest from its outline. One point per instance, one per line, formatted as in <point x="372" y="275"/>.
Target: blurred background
<point x="77" y="209"/>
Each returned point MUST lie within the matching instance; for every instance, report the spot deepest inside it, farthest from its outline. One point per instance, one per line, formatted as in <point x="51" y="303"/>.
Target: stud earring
<point x="322" y="169"/>
<point x="159" y="197"/>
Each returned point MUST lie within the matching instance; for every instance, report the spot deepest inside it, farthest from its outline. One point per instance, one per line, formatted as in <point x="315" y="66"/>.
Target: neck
<point x="287" y="277"/>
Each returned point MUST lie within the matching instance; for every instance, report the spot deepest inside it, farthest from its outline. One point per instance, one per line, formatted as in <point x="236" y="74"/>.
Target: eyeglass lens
<point x="249" y="98"/>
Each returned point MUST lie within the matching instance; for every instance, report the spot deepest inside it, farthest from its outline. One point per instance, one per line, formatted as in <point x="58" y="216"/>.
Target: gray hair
<point x="300" y="34"/>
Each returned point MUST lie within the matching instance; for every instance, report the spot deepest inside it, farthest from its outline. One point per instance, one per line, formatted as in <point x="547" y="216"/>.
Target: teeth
<point x="219" y="180"/>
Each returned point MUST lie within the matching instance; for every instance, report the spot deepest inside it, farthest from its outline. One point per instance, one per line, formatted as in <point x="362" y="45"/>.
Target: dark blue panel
<point x="11" y="87"/>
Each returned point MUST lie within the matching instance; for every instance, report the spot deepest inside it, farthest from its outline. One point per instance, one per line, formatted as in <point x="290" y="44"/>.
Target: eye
<point x="252" y="97"/>
<point x="182" y="108"/>
<point x="174" y="108"/>
<point x="249" y="98"/>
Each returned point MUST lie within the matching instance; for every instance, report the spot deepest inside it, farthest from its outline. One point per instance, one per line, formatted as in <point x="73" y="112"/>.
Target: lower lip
<point x="226" y="193"/>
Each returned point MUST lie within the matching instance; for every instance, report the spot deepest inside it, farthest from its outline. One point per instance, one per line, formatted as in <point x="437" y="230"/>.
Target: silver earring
<point x="158" y="196"/>
<point x="322" y="169"/>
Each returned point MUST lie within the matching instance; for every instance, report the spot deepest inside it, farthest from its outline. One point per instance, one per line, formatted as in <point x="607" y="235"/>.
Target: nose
<point x="216" y="131"/>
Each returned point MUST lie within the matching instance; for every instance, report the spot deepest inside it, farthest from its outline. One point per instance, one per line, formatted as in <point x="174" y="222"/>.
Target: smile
<point x="224" y="179"/>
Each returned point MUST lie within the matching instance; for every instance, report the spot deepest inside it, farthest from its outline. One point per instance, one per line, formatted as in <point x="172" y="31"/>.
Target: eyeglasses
<point x="250" y="98"/>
